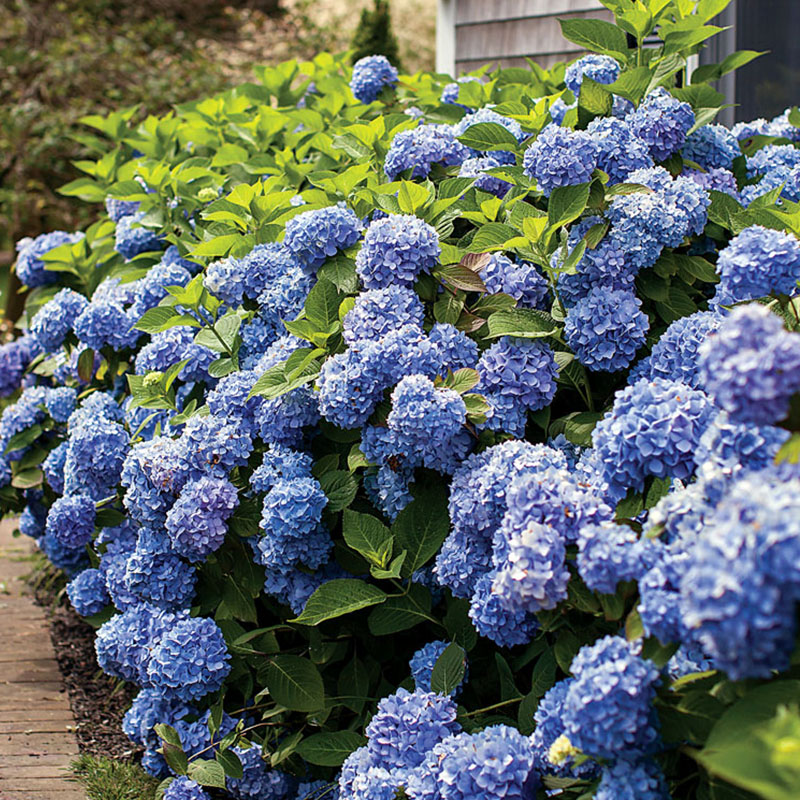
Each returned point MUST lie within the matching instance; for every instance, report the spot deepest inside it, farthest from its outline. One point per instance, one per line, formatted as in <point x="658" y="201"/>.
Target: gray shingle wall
<point x="505" y="32"/>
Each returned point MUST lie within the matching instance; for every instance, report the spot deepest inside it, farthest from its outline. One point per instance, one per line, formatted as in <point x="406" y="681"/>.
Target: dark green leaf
<point x="295" y="683"/>
<point x="567" y="203"/>
<point x="330" y="749"/>
<point x="422" y="526"/>
<point x="526" y="323"/>
<point x="449" y="669"/>
<point x="340" y="487"/>
<point x="368" y="536"/>
<point x="401" y="613"/>
<point x="596" y="35"/>
<point x="337" y="598"/>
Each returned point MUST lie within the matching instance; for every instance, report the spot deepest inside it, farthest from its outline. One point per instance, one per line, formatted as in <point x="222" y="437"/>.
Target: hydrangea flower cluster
<point x="560" y="157"/>
<point x="314" y="236"/>
<point x="370" y="75"/>
<point x="31" y="267"/>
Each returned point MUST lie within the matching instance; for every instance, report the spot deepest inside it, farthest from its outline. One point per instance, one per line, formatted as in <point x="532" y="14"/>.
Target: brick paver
<point x="37" y="741"/>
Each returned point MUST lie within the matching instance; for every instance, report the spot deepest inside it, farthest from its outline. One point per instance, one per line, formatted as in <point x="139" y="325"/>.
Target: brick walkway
<point x="36" y="739"/>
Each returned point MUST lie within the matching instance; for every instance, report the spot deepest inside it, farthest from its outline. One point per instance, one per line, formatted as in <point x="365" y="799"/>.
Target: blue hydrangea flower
<point x="280" y="463"/>
<point x="477" y="168"/>
<point x="290" y="519"/>
<point x="361" y="779"/>
<point x="104" y="323"/>
<point x="33" y="519"/>
<point x="156" y="575"/>
<point x="168" y="347"/>
<point x="756" y="263"/>
<point x="388" y="489"/>
<point x="550" y="720"/>
<point x="263" y="266"/>
<point x="196" y="523"/>
<point x="87" y="592"/>
<point x="785" y="178"/>
<point x="605" y="329"/>
<point x="258" y="781"/>
<point x="493" y="619"/>
<point x="55" y="319"/>
<point x="152" y="288"/>
<point x="422" y="147"/>
<point x="740" y="585"/>
<point x="378" y="311"/>
<point x="478" y="504"/>
<point x="632" y="780"/>
<point x="229" y="397"/>
<point x="606" y="265"/>
<point x="712" y="147"/>
<point x="530" y="568"/>
<point x="183" y="788"/>
<point x="609" y="553"/>
<point x="688" y="660"/>
<point x="117" y="209"/>
<point x="396" y="249"/>
<point x="370" y="75"/>
<point x="285" y="419"/>
<point x="190" y="660"/>
<point x="408" y="724"/>
<point x="71" y="520"/>
<point x="454" y="348"/>
<point x="522" y="281"/>
<point x="314" y="236"/>
<point x="652" y="429"/>
<point x="495" y="762"/>
<point x="212" y="446"/>
<point x="69" y="559"/>
<point x="131" y="238"/>
<point x="516" y="376"/>
<point x="196" y="736"/>
<point x="95" y="455"/>
<point x="608" y="707"/>
<point x="14" y="359"/>
<point x="124" y="644"/>
<point x="601" y="69"/>
<point x="560" y="157"/>
<point x="751" y="366"/>
<point x="148" y="709"/>
<point x="559" y="109"/>
<point x="450" y="91"/>
<point x="718" y="180"/>
<point x="772" y="157"/>
<point x="424" y="419"/>
<point x="676" y="354"/>
<point x="662" y="122"/>
<point x="620" y="152"/>
<point x="30" y="267"/>
<point x="60" y="402"/>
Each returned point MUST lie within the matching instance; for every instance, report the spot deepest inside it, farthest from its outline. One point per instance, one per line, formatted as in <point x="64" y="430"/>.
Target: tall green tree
<point x="374" y="36"/>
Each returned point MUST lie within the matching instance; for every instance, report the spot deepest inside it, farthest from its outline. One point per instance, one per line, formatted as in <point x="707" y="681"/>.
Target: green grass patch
<point x="107" y="779"/>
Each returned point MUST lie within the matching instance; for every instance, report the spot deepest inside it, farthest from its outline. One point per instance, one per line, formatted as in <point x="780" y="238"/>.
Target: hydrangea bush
<point x="405" y="438"/>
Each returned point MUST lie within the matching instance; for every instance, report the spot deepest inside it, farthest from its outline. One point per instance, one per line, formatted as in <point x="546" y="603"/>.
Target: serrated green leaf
<point x="295" y="683"/>
<point x="337" y="598"/>
<point x="330" y="749"/>
<point x="449" y="669"/>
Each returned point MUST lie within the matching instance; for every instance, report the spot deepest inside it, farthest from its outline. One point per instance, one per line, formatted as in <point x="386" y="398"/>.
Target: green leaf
<point x="489" y="136"/>
<point x="230" y="762"/>
<point x="492" y="236"/>
<point x="632" y="84"/>
<point x="577" y="427"/>
<point x="449" y="669"/>
<point x="154" y="318"/>
<point x="330" y="749"/>
<point x="218" y="246"/>
<point x="23" y="439"/>
<point x="295" y="683"/>
<point x="341" y="272"/>
<point x="394" y="570"/>
<point x="337" y="598"/>
<point x="322" y="305"/>
<point x="340" y="487"/>
<point x="544" y="674"/>
<point x="596" y="35"/>
<point x="411" y="197"/>
<point x="422" y="526"/>
<point x="207" y="773"/>
<point x="86" y="365"/>
<point x="367" y="536"/>
<point x="27" y="479"/>
<point x="595" y="99"/>
<point x="462" y="380"/>
<point x="525" y="323"/>
<point x="401" y="613"/>
<point x="460" y="278"/>
<point x="567" y="203"/>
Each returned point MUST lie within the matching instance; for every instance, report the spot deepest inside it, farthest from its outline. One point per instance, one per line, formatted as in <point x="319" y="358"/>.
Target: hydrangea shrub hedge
<point x="407" y="438"/>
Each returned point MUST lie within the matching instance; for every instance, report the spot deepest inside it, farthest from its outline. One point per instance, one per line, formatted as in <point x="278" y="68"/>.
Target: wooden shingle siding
<point x="504" y="32"/>
<point x="473" y="11"/>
